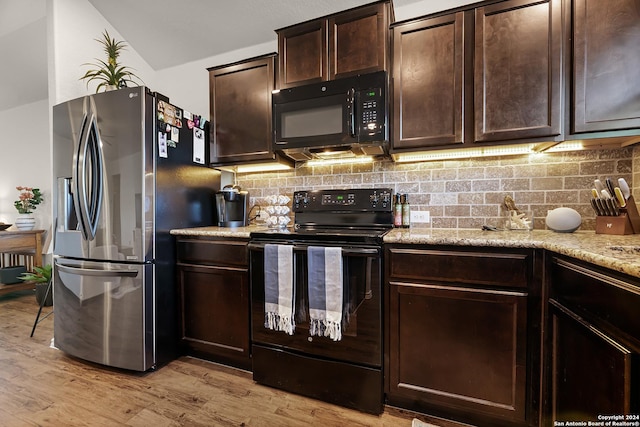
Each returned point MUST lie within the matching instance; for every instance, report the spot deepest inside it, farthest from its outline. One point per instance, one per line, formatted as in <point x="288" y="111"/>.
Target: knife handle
<point x="620" y="197"/>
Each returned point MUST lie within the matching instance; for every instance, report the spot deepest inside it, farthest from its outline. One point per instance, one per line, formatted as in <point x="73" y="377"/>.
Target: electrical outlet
<point x="262" y="216"/>
<point x="422" y="217"/>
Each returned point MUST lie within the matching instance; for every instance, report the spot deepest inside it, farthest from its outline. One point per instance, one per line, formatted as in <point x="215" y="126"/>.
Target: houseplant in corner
<point x="111" y="74"/>
<point x="27" y="202"/>
<point x="41" y="276"/>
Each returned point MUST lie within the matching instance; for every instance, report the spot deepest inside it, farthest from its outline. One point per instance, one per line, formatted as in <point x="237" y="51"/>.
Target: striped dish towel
<point x="278" y="288"/>
<point x="325" y="291"/>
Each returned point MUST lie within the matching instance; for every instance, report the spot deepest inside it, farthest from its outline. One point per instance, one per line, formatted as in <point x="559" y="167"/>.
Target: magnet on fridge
<point x="187" y="115"/>
<point x="190" y="124"/>
<point x="167" y="128"/>
<point x="175" y="134"/>
<point x="162" y="145"/>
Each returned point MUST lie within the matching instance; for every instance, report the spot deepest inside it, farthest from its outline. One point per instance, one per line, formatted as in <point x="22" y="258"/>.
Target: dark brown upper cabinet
<point x="517" y="70"/>
<point x="486" y="75"/>
<point x="606" y="65"/>
<point x="428" y="82"/>
<point x="240" y="106"/>
<point x="347" y="43"/>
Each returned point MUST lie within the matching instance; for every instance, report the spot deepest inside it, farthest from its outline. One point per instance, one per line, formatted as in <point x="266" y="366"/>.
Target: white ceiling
<point x="164" y="32"/>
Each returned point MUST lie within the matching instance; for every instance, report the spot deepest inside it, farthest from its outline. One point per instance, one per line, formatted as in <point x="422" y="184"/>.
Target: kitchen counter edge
<point x="618" y="253"/>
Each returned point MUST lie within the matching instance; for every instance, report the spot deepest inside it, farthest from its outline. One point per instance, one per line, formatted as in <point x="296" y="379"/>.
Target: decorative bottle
<point x="406" y="211"/>
<point x="397" y="212"/>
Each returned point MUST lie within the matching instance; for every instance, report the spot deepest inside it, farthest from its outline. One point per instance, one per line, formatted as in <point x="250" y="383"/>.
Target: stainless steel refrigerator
<point x="128" y="168"/>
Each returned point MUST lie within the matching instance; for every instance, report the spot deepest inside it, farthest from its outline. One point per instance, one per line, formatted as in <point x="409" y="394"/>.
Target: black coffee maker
<point x="232" y="207"/>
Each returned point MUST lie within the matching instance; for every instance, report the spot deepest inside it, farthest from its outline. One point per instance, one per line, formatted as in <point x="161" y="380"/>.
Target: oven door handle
<point x="345" y="251"/>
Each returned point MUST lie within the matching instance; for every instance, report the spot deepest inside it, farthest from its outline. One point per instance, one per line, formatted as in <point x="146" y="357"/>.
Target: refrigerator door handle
<point x="88" y="174"/>
<point x="79" y="271"/>
<point x="79" y="198"/>
<point x="97" y="176"/>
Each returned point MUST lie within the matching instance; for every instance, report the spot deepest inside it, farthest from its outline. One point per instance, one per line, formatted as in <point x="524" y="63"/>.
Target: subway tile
<point x="555" y="183"/>
<point x="563" y="169"/>
<point x="599" y="167"/>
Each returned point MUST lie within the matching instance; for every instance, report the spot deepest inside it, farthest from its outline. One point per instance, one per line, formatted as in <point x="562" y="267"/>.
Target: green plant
<point x="28" y="200"/>
<point x="39" y="274"/>
<point x="110" y="73"/>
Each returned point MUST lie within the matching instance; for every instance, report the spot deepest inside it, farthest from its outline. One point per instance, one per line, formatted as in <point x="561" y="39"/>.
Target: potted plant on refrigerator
<point x="110" y="73"/>
<point x="41" y="276"/>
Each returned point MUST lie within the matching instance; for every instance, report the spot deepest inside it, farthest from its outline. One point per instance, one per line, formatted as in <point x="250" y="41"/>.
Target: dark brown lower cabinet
<point x="593" y="363"/>
<point x="213" y="279"/>
<point x="463" y="338"/>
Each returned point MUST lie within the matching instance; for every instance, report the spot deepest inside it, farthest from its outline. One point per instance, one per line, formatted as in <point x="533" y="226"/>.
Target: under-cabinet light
<point x="464" y="153"/>
<point x="565" y="146"/>
<point x="257" y="167"/>
<point x="344" y="161"/>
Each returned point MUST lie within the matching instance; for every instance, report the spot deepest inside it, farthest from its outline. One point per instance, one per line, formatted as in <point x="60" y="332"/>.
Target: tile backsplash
<point x="468" y="193"/>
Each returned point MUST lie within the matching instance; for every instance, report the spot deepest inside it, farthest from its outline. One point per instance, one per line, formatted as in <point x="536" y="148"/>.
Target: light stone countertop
<point x="237" y="232"/>
<point x="619" y="253"/>
<point x="598" y="249"/>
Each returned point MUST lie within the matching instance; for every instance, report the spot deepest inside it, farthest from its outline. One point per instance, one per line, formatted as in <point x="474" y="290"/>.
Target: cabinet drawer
<point x="598" y="293"/>
<point x="503" y="269"/>
<point x="222" y="252"/>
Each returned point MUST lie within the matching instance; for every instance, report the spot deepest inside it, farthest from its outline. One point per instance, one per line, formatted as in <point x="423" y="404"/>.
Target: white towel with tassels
<point x="279" y="295"/>
<point x="325" y="291"/>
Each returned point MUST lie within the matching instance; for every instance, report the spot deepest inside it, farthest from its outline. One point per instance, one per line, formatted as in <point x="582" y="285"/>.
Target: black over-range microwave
<point x="339" y="118"/>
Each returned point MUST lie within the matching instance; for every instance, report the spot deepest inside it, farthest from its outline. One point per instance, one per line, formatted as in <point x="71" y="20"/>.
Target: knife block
<point x="628" y="222"/>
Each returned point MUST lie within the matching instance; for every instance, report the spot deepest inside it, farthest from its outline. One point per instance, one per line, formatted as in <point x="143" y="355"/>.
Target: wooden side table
<point x="22" y="242"/>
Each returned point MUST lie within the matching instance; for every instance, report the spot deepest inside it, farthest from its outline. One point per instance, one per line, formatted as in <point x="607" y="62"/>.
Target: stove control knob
<point x="373" y="199"/>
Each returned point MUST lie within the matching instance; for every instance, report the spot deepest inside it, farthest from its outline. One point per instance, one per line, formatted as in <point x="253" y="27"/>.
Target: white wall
<point x="426" y="7"/>
<point x="26" y="160"/>
<point x="74" y="26"/>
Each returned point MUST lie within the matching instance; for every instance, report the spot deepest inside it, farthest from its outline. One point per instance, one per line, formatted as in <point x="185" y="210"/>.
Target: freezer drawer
<point x="104" y="312"/>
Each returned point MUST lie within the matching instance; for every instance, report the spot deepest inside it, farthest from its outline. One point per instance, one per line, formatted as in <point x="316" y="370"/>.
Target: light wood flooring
<point x="41" y="386"/>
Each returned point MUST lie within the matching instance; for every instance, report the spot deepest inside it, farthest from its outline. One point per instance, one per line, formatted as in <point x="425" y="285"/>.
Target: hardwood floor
<point x="41" y="386"/>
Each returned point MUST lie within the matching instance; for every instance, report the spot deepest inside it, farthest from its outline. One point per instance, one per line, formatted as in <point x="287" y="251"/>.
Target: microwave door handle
<point x="352" y="112"/>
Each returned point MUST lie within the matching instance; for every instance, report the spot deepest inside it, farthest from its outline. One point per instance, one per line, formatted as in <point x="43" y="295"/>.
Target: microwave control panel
<point x="370" y="112"/>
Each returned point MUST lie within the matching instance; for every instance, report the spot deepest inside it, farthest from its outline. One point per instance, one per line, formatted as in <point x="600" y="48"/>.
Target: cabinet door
<point x="590" y="371"/>
<point x="459" y="350"/>
<point x="240" y="103"/>
<point x="606" y="60"/>
<point x="517" y="70"/>
<point x="215" y="313"/>
<point x="358" y="41"/>
<point x="303" y="54"/>
<point x="428" y="82"/>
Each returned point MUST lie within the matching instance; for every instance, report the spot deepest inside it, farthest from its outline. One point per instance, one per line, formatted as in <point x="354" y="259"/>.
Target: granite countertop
<point x="619" y="253"/>
<point x="237" y="232"/>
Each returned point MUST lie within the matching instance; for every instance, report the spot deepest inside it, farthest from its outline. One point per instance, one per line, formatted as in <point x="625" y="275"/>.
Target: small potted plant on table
<point x="27" y="202"/>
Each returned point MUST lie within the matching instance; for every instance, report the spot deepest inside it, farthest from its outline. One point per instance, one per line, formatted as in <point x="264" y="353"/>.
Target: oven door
<point x="361" y="341"/>
<point x="314" y="122"/>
